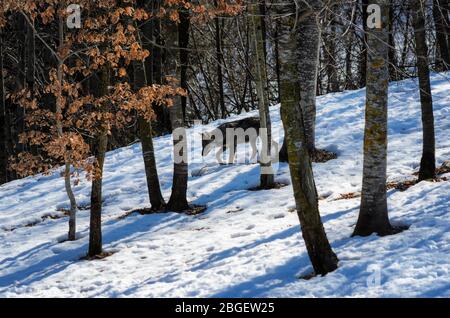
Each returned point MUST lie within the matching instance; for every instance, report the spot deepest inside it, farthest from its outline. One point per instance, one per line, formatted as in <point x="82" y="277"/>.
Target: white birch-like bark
<point x="321" y="255"/>
<point x="259" y="73"/>
<point x="373" y="215"/>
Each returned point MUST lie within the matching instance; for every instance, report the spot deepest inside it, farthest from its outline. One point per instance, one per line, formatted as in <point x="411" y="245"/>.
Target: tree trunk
<point x="308" y="56"/>
<point x="277" y="58"/>
<point x="373" y="214"/>
<point x="95" y="233"/>
<point x="3" y="126"/>
<point x="178" y="201"/>
<point x="73" y="204"/>
<point x="363" y="58"/>
<point x="406" y="41"/>
<point x="11" y="175"/>
<point x="219" y="57"/>
<point x="392" y="53"/>
<point x="259" y="73"/>
<point x="59" y="127"/>
<point x="283" y="155"/>
<point x="349" y="49"/>
<point x="322" y="257"/>
<point x="148" y="152"/>
<point x="439" y="13"/>
<point x="142" y="79"/>
<point x="151" y="171"/>
<point x="332" y="65"/>
<point x="428" y="162"/>
<point x="446" y="13"/>
<point x="308" y="48"/>
<point x="30" y="57"/>
<point x="183" y="35"/>
<point x="152" y="41"/>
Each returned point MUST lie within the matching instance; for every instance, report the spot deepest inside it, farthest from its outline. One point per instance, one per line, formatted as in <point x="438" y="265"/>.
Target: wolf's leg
<point x="219" y="155"/>
<point x="232" y="154"/>
<point x="254" y="148"/>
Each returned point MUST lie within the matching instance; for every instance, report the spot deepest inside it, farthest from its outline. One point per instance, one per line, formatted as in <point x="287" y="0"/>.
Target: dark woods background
<point x="214" y="59"/>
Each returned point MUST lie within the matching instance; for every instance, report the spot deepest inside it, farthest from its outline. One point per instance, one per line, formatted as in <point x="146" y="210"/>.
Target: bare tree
<point x="319" y="250"/>
<point x="373" y="214"/>
<point x="142" y="77"/>
<point x="428" y="162"/>
<point x="95" y="227"/>
<point x="440" y="15"/>
<point x="308" y="56"/>
<point x="178" y="200"/>
<point x="219" y="57"/>
<point x="259" y="73"/>
<point x="3" y="126"/>
<point x="363" y="57"/>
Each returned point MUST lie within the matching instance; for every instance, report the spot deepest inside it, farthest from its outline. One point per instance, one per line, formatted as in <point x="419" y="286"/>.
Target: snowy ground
<point x="247" y="243"/>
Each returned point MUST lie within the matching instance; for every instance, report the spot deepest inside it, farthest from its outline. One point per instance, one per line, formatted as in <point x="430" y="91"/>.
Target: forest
<point x="141" y="132"/>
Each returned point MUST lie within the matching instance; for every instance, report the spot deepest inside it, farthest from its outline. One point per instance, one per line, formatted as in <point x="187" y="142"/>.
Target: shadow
<point x="217" y="257"/>
<point x="165" y="279"/>
<point x="437" y="292"/>
<point x="216" y="198"/>
<point x="338" y="214"/>
<point x="46" y="267"/>
<point x="135" y="226"/>
<point x="247" y="181"/>
<point x="259" y="285"/>
<point x="23" y="185"/>
<point x="26" y="254"/>
<point x="289" y="269"/>
<point x="43" y="268"/>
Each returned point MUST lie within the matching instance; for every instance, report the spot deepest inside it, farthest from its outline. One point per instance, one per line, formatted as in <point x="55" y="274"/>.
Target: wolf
<point x="229" y="135"/>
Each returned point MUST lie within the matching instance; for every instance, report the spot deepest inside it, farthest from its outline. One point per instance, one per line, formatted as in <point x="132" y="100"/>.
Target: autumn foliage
<point x="108" y="38"/>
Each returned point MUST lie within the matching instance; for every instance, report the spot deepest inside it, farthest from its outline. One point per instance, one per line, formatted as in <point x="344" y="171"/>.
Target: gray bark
<point x="148" y="152"/>
<point x="3" y="126"/>
<point x="373" y="215"/>
<point x="59" y="127"/>
<point x="308" y="55"/>
<point x="440" y="20"/>
<point x="349" y="51"/>
<point x="95" y="226"/>
<point x="321" y="255"/>
<point x="259" y="73"/>
<point x="330" y="50"/>
<point x="151" y="171"/>
<point x="178" y="201"/>
<point x="141" y="79"/>
<point x="428" y="161"/>
<point x="219" y="57"/>
<point x="363" y="58"/>
<point x="392" y="52"/>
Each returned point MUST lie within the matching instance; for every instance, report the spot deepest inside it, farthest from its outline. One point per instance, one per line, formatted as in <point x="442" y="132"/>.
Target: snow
<point x="247" y="243"/>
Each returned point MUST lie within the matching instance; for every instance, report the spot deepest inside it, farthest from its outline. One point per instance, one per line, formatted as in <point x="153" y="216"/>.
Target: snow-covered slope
<point x="247" y="243"/>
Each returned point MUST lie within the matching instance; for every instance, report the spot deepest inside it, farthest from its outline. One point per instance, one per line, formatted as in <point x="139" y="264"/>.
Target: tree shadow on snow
<point x="289" y="269"/>
<point x="43" y="268"/>
<point x="276" y="277"/>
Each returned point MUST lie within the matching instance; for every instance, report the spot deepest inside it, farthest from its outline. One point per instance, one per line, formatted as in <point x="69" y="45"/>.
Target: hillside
<point x="247" y="243"/>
